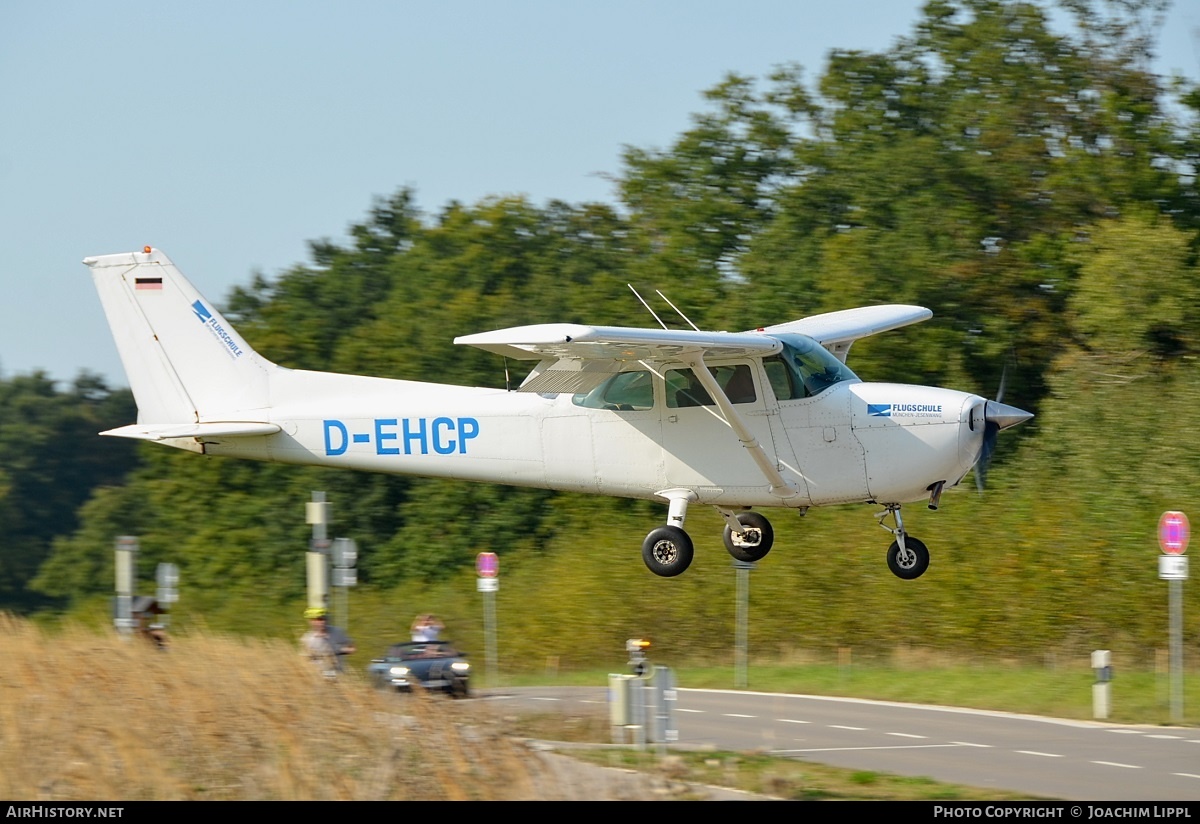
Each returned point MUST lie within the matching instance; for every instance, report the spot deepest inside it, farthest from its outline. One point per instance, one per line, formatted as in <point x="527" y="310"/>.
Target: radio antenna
<point x="648" y="309"/>
<point x="676" y="308"/>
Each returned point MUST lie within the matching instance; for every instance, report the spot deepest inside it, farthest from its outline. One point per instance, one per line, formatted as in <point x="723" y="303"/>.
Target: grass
<point x="1061" y="692"/>
<point x="789" y="779"/>
<point x="89" y="715"/>
<point x="86" y="714"/>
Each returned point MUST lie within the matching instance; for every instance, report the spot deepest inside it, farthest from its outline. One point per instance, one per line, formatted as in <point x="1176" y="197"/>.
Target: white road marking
<point x="791" y="721"/>
<point x="972" y="744"/>
<point x="1043" y="754"/>
<point x="1186" y="775"/>
<point x="844" y="727"/>
<point x="1126" y="732"/>
<point x="1117" y="764"/>
<point x="906" y="735"/>
<point x="682" y="709"/>
<point x="1163" y="735"/>
<point x="865" y="749"/>
<point x="737" y="715"/>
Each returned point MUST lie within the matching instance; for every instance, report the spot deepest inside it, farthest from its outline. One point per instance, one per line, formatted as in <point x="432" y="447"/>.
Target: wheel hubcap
<point x="665" y="552"/>
<point x="749" y="538"/>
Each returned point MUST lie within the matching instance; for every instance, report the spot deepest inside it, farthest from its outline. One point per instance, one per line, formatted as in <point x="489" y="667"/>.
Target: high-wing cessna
<point x="766" y="418"/>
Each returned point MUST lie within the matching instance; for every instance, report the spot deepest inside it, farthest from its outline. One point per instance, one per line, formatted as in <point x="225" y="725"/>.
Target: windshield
<point x="804" y="368"/>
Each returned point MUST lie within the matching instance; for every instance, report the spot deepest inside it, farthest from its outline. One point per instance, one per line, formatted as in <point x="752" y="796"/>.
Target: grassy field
<point x="86" y="714"/>
<point x="1059" y="691"/>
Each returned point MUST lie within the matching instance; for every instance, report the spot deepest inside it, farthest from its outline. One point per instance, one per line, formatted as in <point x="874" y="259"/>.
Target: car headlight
<point x="460" y="666"/>
<point x="398" y="672"/>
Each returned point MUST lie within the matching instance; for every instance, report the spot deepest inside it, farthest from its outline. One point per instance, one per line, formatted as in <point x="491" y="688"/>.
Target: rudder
<point x="184" y="362"/>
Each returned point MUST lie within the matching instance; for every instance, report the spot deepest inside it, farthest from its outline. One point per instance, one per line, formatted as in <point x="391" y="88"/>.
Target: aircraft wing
<point x="573" y="340"/>
<point x="576" y="358"/>
<point x="837" y="330"/>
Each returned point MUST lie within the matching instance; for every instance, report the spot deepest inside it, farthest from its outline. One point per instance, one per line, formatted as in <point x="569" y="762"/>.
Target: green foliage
<point x="1035" y="189"/>
<point x="50" y="462"/>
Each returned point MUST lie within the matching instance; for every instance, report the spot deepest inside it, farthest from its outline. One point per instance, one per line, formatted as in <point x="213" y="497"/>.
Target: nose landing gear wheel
<point x="912" y="562"/>
<point x="667" y="551"/>
<point x="753" y="544"/>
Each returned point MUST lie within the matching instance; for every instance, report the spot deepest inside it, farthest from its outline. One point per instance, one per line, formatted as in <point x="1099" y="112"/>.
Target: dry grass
<point x="87" y="715"/>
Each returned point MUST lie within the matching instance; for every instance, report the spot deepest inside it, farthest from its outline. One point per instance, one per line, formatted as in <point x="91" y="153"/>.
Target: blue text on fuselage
<point x="404" y="436"/>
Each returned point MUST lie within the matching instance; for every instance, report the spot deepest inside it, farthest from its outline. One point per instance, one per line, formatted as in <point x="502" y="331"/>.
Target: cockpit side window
<point x="811" y="366"/>
<point x="685" y="389"/>
<point x="783" y="382"/>
<point x="623" y="392"/>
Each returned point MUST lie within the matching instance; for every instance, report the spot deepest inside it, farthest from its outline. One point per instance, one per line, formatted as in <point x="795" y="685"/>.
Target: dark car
<point x="435" y="665"/>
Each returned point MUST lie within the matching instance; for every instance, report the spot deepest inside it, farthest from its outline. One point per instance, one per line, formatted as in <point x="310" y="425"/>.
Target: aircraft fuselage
<point x="852" y="442"/>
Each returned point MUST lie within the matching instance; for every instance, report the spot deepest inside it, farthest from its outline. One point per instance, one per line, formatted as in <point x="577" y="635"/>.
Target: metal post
<point x="317" y="514"/>
<point x="741" y="620"/>
<point x="125" y="562"/>
<point x="1176" y="605"/>
<point x="489" y="631"/>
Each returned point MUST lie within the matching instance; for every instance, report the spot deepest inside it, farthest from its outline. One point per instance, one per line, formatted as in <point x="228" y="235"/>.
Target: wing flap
<point x="568" y="376"/>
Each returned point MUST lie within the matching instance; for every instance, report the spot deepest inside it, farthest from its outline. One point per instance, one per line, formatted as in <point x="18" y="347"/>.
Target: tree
<point x="50" y="461"/>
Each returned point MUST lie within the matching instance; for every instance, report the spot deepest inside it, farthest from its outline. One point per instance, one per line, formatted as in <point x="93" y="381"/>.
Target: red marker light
<point x="147" y="249"/>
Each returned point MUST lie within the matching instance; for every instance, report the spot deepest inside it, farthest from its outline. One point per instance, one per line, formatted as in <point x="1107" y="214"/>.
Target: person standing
<point x="426" y="628"/>
<point x="325" y="645"/>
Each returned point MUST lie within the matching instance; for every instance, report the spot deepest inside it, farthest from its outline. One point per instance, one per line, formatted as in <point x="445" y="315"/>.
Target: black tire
<point x="914" y="564"/>
<point x="754" y="545"/>
<point x="667" y="551"/>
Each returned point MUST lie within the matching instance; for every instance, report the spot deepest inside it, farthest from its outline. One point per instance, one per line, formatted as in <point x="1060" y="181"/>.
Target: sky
<point x="229" y="134"/>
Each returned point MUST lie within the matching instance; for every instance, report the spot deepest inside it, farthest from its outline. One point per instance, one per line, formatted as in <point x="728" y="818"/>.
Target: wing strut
<point x="779" y="485"/>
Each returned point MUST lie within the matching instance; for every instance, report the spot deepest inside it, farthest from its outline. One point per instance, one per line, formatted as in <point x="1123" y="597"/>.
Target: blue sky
<point x="228" y="134"/>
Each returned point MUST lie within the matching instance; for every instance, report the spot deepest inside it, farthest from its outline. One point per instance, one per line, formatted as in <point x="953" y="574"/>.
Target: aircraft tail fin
<point x="184" y="362"/>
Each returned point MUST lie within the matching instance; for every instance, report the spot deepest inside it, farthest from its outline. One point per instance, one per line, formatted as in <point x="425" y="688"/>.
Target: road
<point x="1047" y="757"/>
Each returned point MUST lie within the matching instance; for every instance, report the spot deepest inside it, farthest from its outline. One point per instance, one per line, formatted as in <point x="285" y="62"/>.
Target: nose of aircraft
<point x="1003" y="415"/>
<point x="996" y="416"/>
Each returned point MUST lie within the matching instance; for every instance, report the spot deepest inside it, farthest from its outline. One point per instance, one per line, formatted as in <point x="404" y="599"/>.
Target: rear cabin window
<point x="623" y="392"/>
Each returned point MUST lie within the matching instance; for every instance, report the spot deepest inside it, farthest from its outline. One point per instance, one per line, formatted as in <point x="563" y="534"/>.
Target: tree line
<point x="1035" y="188"/>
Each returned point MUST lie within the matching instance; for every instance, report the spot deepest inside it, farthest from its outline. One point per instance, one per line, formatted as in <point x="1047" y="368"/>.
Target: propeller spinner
<point x="996" y="416"/>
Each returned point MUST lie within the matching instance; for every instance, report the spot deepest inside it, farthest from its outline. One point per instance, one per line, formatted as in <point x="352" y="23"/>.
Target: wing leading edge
<point x="559" y="342"/>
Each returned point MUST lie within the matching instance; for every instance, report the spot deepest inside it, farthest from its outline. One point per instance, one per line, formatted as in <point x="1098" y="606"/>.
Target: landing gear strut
<point x="668" y="550"/>
<point x="748" y="535"/>
<point x="907" y="557"/>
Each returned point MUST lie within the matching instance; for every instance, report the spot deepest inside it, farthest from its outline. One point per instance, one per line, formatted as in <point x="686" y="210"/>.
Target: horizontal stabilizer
<point x="214" y="429"/>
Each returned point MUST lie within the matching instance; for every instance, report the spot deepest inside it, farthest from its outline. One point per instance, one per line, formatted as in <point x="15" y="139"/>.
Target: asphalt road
<point x="1046" y="757"/>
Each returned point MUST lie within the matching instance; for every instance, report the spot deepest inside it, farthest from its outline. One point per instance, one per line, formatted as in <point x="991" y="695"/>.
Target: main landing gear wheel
<point x="667" y="551"/>
<point x="912" y="562"/>
<point x="753" y="544"/>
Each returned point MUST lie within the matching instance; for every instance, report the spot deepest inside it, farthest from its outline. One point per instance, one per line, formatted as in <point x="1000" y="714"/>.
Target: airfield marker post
<point x="1102" y="687"/>
<point x="316" y="512"/>
<point x="126" y="565"/>
<point x="487" y="567"/>
<point x="1173" y="534"/>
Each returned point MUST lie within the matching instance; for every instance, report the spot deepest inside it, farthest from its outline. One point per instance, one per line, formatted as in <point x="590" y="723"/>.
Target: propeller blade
<point x="997" y="416"/>
<point x="990" y="431"/>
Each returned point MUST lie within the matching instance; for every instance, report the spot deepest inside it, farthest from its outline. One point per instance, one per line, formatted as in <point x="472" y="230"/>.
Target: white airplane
<point x="766" y="418"/>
